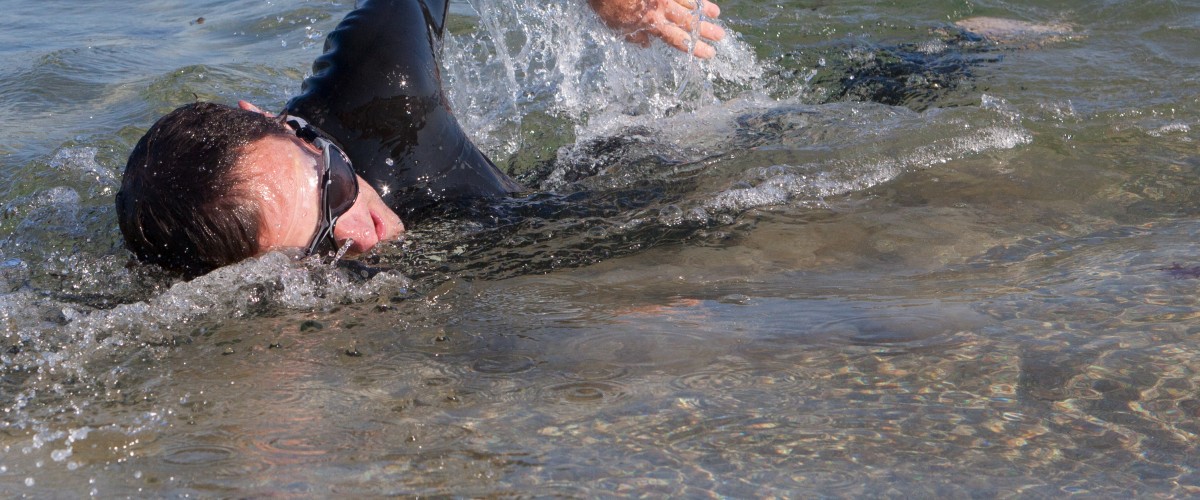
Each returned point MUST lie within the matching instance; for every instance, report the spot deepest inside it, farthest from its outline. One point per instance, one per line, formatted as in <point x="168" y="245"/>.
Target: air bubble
<point x="60" y="455"/>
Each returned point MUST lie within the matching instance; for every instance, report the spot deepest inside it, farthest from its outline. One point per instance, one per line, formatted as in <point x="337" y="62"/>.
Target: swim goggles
<point x="339" y="183"/>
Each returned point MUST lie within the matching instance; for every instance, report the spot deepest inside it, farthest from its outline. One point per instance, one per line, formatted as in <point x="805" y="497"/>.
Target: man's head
<point x="210" y="185"/>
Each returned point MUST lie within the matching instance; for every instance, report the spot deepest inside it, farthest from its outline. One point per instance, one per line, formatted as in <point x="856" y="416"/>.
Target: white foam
<point x="80" y="163"/>
<point x="1172" y="128"/>
<point x="65" y="342"/>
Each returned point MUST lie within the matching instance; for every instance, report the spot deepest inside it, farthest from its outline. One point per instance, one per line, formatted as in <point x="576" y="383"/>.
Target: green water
<point x="762" y="286"/>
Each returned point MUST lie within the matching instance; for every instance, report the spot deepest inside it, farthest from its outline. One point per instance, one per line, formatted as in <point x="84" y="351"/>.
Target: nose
<point x="358" y="229"/>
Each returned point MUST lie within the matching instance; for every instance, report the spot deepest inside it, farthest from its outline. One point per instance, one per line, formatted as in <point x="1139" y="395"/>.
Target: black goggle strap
<point x="302" y="128"/>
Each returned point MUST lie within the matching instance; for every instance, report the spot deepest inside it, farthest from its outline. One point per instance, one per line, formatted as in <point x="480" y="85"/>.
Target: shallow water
<point x="742" y="279"/>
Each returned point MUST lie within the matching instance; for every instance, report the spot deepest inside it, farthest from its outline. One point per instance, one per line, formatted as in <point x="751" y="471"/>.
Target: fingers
<point x="685" y="19"/>
<point x="246" y="106"/>
<point x="252" y="108"/>
<point x="710" y="31"/>
<point x="682" y="40"/>
<point x="674" y="21"/>
<point x="711" y="10"/>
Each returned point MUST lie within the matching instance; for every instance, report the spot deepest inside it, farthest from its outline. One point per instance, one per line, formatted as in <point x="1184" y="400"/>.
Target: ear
<point x="250" y="107"/>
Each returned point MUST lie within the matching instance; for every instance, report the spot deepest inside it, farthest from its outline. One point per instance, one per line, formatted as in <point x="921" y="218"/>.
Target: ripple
<point x="585" y="393"/>
<point x="898" y="334"/>
<point x="343" y="436"/>
<point x="550" y="299"/>
<point x="503" y="364"/>
<point x="715" y="379"/>
<point x="324" y="422"/>
<point x="438" y="341"/>
<point x="413" y="438"/>
<point x="643" y="347"/>
<point x="307" y="396"/>
<point x="766" y="444"/>
<point x="287" y="396"/>
<point x="443" y="381"/>
<point x="738" y="377"/>
<point x="202" y="454"/>
<point x="598" y="371"/>
<point x="218" y="454"/>
<point x="294" y="448"/>
<point x="388" y="369"/>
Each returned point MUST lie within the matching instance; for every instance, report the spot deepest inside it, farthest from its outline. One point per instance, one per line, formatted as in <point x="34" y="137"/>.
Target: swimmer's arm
<point x="670" y="20"/>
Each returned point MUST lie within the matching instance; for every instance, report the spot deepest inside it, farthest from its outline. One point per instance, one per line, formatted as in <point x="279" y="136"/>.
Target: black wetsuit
<point x="377" y="92"/>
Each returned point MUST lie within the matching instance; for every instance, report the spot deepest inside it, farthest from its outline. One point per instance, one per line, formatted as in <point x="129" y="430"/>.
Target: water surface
<point x="861" y="253"/>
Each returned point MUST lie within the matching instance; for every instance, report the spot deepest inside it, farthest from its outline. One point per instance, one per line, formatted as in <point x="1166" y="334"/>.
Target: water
<point x="861" y="253"/>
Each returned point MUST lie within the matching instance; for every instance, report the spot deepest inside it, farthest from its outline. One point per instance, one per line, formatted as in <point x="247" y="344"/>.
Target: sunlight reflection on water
<point x="738" y="290"/>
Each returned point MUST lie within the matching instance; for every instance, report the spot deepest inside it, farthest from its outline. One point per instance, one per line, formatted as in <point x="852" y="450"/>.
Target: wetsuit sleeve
<point x="377" y="91"/>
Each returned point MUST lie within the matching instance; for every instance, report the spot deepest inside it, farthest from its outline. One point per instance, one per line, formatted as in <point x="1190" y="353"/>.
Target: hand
<point x="670" y="20"/>
<point x="254" y="109"/>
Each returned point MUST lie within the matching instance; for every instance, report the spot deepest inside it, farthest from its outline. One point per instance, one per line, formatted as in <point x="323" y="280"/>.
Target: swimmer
<point x="369" y="139"/>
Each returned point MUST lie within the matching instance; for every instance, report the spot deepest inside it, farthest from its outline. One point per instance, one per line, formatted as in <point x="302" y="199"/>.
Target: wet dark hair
<point x="182" y="205"/>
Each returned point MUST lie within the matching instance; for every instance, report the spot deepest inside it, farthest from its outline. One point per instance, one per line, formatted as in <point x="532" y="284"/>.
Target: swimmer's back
<point x="377" y="91"/>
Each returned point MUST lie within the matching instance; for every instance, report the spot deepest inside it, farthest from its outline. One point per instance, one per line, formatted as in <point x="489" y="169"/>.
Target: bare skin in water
<point x="1021" y="34"/>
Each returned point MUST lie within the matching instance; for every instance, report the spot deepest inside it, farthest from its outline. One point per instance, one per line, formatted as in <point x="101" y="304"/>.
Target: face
<point x="283" y="174"/>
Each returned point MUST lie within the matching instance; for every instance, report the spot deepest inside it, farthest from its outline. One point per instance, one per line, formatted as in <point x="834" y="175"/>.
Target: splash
<point x="52" y="347"/>
<point x="528" y="59"/>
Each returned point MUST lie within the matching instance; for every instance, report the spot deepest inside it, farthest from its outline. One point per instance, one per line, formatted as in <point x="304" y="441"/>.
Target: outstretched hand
<point x="670" y="20"/>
